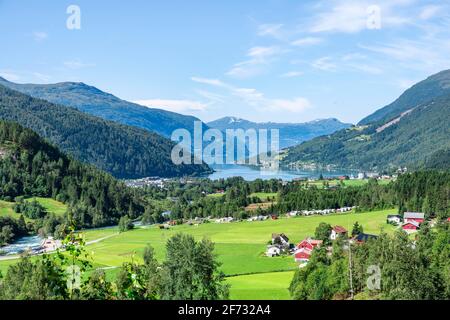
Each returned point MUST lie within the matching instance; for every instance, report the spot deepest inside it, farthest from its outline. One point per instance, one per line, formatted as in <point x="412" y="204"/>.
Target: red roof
<point x="339" y="229"/>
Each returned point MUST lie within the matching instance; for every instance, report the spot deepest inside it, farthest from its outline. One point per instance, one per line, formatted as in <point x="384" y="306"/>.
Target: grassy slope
<point x="52" y="206"/>
<point x="240" y="247"/>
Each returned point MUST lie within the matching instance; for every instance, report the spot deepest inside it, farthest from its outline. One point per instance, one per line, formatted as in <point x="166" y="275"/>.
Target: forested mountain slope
<point x="107" y="106"/>
<point x="30" y="166"/>
<point x="417" y="139"/>
<point x="124" y="151"/>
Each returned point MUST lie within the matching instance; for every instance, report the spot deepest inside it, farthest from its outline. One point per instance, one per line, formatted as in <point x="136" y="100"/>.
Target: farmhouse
<point x="394" y="219"/>
<point x="338" y="231"/>
<point x="302" y="255"/>
<point x="309" y="244"/>
<point x="280" y="239"/>
<point x="411" y="226"/>
<point x="273" y="250"/>
<point x="413" y="216"/>
<point x="305" y="248"/>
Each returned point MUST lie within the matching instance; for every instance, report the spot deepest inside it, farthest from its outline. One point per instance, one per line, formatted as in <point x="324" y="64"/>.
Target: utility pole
<point x="350" y="268"/>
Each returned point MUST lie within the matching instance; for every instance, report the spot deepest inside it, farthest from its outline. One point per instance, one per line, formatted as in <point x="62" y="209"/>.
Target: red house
<point x="305" y="248"/>
<point x="302" y="255"/>
<point x="413" y="216"/>
<point x="411" y="226"/>
<point x="309" y="244"/>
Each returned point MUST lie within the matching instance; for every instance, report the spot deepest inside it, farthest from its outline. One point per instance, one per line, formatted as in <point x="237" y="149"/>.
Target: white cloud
<point x="214" y="82"/>
<point x="429" y="12"/>
<point x="291" y="74"/>
<point x="324" y="64"/>
<point x="9" y="75"/>
<point x="272" y="30"/>
<point x="366" y="68"/>
<point x="351" y="16"/>
<point x="39" y="36"/>
<point x="260" y="102"/>
<point x="429" y="55"/>
<point x="308" y="41"/>
<point x="261" y="53"/>
<point x="211" y="96"/>
<point x="295" y="105"/>
<point x="41" y="77"/>
<point x="344" y="17"/>
<point x="259" y="57"/>
<point x="173" y="105"/>
<point x="77" y="64"/>
<point x="405" y="83"/>
<point x="245" y="69"/>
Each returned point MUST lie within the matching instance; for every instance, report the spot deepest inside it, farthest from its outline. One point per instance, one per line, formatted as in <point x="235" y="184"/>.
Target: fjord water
<point x="251" y="173"/>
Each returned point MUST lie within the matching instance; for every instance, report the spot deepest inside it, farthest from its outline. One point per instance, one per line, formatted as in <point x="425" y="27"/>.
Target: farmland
<point x="239" y="246"/>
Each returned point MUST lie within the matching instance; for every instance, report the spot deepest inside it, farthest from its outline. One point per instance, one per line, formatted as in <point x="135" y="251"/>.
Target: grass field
<point x="347" y="183"/>
<point x="271" y="286"/>
<point x="264" y="195"/>
<point x="52" y="206"/>
<point x="240" y="248"/>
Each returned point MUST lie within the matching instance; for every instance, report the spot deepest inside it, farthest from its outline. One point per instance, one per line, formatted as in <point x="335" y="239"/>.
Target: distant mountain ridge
<point x="91" y="100"/>
<point x="290" y="133"/>
<point x="124" y="151"/>
<point x="413" y="131"/>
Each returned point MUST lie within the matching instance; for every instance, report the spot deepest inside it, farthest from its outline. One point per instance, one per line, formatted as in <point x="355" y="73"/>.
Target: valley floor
<point x="240" y="247"/>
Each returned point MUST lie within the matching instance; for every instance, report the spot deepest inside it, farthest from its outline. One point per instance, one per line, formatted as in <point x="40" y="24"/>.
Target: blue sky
<point x="263" y="60"/>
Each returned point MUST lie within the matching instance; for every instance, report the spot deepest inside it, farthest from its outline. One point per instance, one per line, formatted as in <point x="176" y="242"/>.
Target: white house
<point x="273" y="251"/>
<point x="394" y="219"/>
<point x="337" y="231"/>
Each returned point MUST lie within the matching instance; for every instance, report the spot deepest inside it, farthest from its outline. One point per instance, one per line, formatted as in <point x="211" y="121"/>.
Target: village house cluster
<point x="303" y="250"/>
<point x="318" y="212"/>
<point x="409" y="222"/>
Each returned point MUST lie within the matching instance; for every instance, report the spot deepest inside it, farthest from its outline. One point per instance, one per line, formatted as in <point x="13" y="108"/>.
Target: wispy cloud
<point x="77" y="64"/>
<point x="272" y="30"/>
<point x="429" y="12"/>
<point x="429" y="55"/>
<point x="295" y="105"/>
<point x="258" y="58"/>
<point x="351" y="16"/>
<point x="308" y="41"/>
<point x="291" y="74"/>
<point x="39" y="36"/>
<point x="9" y="75"/>
<point x="324" y="64"/>
<point x="173" y="105"/>
<point x="41" y="76"/>
<point x="213" y="82"/>
<point x="258" y="100"/>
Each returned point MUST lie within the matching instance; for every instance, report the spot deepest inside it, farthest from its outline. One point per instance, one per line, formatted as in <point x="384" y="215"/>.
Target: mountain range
<point x="93" y="101"/>
<point x="124" y="151"/>
<point x="413" y="131"/>
<point x="290" y="134"/>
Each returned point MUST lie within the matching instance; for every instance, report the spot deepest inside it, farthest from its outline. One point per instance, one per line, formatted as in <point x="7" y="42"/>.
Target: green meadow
<point x="51" y="205"/>
<point x="239" y="246"/>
